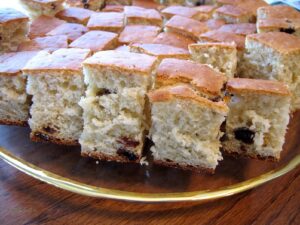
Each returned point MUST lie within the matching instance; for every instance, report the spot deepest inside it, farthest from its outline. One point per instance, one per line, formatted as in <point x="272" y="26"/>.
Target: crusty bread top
<point x="113" y="8"/>
<point x="161" y="51"/>
<point x="38" y="27"/>
<point x="250" y="86"/>
<point x="12" y="63"/>
<point x="225" y="45"/>
<point x="278" y="11"/>
<point x="138" y="34"/>
<point x="106" y="19"/>
<point x="239" y="28"/>
<point x="282" y="42"/>
<point x="193" y="27"/>
<point x="174" y="39"/>
<point x="138" y="12"/>
<point x="95" y="40"/>
<point x="205" y="8"/>
<point x="220" y="36"/>
<point x="183" y="91"/>
<point x="279" y="23"/>
<point x="71" y="30"/>
<point x="64" y="59"/>
<point x="10" y="15"/>
<point x="49" y="43"/>
<point x="122" y="61"/>
<point x="173" y="10"/>
<point x="147" y="4"/>
<point x="73" y="14"/>
<point x="203" y="77"/>
<point x="233" y="11"/>
<point x="214" y="24"/>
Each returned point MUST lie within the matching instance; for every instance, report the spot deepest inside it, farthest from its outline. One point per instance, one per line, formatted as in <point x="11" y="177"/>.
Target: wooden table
<point x="24" y="200"/>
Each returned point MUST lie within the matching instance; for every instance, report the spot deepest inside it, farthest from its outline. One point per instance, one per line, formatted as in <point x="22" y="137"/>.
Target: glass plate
<point x="63" y="167"/>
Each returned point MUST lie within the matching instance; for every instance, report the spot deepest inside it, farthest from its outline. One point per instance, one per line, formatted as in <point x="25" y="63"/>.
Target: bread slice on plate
<point x="221" y="56"/>
<point x="14" y="29"/>
<point x="14" y="102"/>
<point x="114" y="108"/>
<point x="55" y="81"/>
<point x="258" y="117"/>
<point x="185" y="128"/>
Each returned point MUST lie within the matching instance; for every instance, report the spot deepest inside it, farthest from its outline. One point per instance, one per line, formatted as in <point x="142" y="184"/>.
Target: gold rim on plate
<point x="98" y="192"/>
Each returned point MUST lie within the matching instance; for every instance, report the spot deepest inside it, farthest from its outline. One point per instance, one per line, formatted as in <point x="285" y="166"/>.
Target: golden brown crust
<point x="12" y="63"/>
<point x="51" y="43"/>
<point x="161" y="51"/>
<point x="71" y="30"/>
<point x="8" y="15"/>
<point x="107" y="21"/>
<point x="219" y="36"/>
<point x="105" y="157"/>
<point x="239" y="28"/>
<point x="197" y="169"/>
<point x="38" y="136"/>
<point x="227" y="45"/>
<point x="279" y="12"/>
<point x="214" y="24"/>
<point x="233" y="11"/>
<point x="186" y="26"/>
<point x="75" y="15"/>
<point x="173" y="39"/>
<point x="65" y="59"/>
<point x="96" y="40"/>
<point x="113" y="8"/>
<point x="122" y="60"/>
<point x="278" y="24"/>
<point x="173" y="10"/>
<point x="138" y="34"/>
<point x="244" y="85"/>
<point x="204" y="78"/>
<point x="147" y="4"/>
<point x="183" y="91"/>
<point x="282" y="42"/>
<point x="138" y="15"/>
<point x="14" y="122"/>
<point x="38" y="28"/>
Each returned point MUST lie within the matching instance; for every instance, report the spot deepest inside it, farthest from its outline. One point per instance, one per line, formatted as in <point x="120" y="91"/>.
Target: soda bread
<point x="258" y="117"/>
<point x="138" y="34"/>
<point x="185" y="128"/>
<point x="113" y="8"/>
<point x="147" y="4"/>
<point x="57" y="80"/>
<point x="37" y="8"/>
<point x="173" y="39"/>
<point x="75" y="15"/>
<point x="13" y="29"/>
<point x="49" y="43"/>
<point x="138" y="15"/>
<point x="71" y="30"/>
<point x="178" y="10"/>
<point x="205" y="12"/>
<point x="274" y="56"/>
<point x="86" y="4"/>
<point x="239" y="28"/>
<point x="233" y="14"/>
<point x="221" y="56"/>
<point x="14" y="102"/>
<point x="118" y="2"/>
<point x="290" y="26"/>
<point x="114" y="105"/>
<point x="277" y="12"/>
<point x="96" y="40"/>
<point x="107" y="21"/>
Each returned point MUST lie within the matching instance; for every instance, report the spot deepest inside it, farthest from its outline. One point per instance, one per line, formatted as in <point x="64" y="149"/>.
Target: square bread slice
<point x="36" y="8"/>
<point x="50" y="43"/>
<point x="185" y="128"/>
<point x="56" y="84"/>
<point x="173" y="39"/>
<point x="14" y="102"/>
<point x="86" y="4"/>
<point x="239" y="28"/>
<point x="138" y="34"/>
<point x="96" y="40"/>
<point x="13" y="29"/>
<point x="274" y="56"/>
<point x="71" y="30"/>
<point x="178" y="10"/>
<point x="207" y="81"/>
<point x="221" y="56"/>
<point x="205" y="12"/>
<point x="148" y="4"/>
<point x="258" y="117"/>
<point x="277" y="12"/>
<point x="233" y="14"/>
<point x="160" y="51"/>
<point x="75" y="15"/>
<point x="107" y="21"/>
<point x="290" y="26"/>
<point x="38" y="28"/>
<point x="139" y="15"/>
<point x="114" y="106"/>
